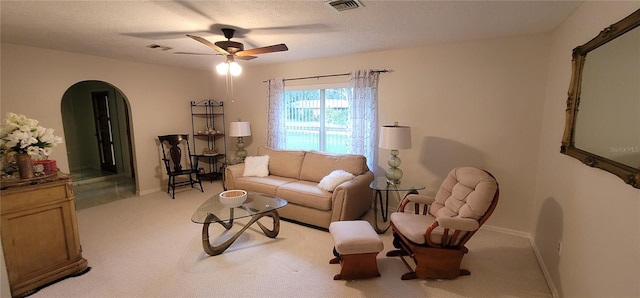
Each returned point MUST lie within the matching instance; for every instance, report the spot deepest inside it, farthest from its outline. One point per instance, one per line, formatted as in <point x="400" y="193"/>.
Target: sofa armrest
<point x="230" y="173"/>
<point x="353" y="198"/>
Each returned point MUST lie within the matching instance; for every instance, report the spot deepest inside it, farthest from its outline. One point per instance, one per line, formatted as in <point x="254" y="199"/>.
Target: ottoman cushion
<point x="355" y="237"/>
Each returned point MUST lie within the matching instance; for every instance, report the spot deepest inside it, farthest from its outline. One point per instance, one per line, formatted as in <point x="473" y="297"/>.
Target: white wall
<point x="476" y="103"/>
<point x="34" y="81"/>
<point x="594" y="213"/>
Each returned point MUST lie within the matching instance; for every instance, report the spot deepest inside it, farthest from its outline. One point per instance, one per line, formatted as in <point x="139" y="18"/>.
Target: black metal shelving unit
<point x="209" y="144"/>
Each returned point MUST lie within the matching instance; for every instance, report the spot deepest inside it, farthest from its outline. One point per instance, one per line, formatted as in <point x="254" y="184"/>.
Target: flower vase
<point x="25" y="165"/>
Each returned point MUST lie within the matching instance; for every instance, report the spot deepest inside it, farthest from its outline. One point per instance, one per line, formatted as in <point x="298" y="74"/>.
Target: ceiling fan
<point x="233" y="49"/>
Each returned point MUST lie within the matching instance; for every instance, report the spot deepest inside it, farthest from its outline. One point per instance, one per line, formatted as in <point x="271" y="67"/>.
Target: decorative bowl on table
<point x="233" y="198"/>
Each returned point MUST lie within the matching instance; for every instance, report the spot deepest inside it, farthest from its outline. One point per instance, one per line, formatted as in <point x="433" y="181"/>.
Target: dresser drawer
<point x="13" y="201"/>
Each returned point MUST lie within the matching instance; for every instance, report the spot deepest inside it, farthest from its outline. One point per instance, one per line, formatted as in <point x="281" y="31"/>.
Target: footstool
<point x="356" y="246"/>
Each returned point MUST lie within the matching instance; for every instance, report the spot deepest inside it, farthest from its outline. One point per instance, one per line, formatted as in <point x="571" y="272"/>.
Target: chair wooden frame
<point x="433" y="260"/>
<point x="173" y="164"/>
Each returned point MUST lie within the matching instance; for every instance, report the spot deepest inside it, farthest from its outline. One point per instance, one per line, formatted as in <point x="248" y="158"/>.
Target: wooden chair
<point x="433" y="231"/>
<point x="173" y="145"/>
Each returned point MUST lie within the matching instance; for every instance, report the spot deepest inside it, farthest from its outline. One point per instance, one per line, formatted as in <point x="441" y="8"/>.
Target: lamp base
<point x="241" y="153"/>
<point x="393" y="173"/>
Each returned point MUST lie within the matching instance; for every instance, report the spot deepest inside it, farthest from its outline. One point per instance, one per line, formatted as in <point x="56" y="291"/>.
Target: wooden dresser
<point x="39" y="232"/>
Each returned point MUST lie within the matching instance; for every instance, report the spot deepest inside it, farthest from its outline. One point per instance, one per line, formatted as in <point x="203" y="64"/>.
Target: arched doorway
<point x="96" y="119"/>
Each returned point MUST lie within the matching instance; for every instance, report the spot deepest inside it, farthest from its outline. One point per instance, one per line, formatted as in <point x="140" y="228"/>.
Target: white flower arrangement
<point x="20" y="134"/>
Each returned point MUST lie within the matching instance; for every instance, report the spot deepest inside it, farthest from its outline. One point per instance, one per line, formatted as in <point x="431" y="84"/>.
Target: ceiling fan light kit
<point x="229" y="67"/>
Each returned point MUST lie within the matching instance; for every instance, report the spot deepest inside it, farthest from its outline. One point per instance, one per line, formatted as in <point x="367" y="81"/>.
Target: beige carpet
<point x="147" y="246"/>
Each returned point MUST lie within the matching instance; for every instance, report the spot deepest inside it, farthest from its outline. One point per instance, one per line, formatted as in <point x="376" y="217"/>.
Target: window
<point x="339" y="117"/>
<point x="318" y="119"/>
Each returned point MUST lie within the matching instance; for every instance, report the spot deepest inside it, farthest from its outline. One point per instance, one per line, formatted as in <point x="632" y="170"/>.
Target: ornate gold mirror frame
<point x="628" y="173"/>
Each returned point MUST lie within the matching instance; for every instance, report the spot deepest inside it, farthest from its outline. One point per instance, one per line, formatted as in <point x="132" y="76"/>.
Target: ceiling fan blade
<point x="209" y="44"/>
<point x="246" y="57"/>
<point x="263" y="50"/>
<point x="192" y="53"/>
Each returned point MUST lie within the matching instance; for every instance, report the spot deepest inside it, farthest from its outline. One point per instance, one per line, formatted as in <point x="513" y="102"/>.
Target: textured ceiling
<point x="311" y="29"/>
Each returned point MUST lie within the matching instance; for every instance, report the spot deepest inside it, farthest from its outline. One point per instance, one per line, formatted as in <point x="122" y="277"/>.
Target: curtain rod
<point x="327" y="76"/>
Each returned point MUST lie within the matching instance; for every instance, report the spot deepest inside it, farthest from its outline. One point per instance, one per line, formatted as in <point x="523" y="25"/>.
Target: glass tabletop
<point x="382" y="184"/>
<point x="256" y="203"/>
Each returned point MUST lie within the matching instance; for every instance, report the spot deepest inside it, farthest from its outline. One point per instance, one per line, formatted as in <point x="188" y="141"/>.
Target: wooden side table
<point x="39" y="232"/>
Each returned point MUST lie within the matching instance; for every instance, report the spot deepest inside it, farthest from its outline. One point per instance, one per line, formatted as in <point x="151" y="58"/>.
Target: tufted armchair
<point x="433" y="230"/>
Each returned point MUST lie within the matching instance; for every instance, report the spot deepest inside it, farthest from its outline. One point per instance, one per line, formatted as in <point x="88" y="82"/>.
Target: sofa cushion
<point x="335" y="178"/>
<point x="267" y="185"/>
<point x="316" y="165"/>
<point x="283" y="163"/>
<point x="305" y="193"/>
<point x="256" y="166"/>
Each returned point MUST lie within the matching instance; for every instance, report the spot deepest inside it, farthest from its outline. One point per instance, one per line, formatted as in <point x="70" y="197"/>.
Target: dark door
<point x="104" y="133"/>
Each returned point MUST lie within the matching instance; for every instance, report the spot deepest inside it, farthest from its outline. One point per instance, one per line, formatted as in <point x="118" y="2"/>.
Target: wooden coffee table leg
<point x="218" y="249"/>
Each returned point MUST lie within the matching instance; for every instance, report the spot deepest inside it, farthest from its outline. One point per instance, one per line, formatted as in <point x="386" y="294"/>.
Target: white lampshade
<point x="239" y="129"/>
<point x="395" y="137"/>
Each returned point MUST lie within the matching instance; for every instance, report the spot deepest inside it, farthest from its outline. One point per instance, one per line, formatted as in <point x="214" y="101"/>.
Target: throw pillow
<point x="256" y="166"/>
<point x="335" y="178"/>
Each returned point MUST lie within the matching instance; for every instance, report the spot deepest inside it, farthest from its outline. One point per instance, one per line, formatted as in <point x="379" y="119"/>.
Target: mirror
<point x="605" y="89"/>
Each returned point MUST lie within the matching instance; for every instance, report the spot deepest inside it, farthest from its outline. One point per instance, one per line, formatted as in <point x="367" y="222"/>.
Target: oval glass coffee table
<point x="255" y="207"/>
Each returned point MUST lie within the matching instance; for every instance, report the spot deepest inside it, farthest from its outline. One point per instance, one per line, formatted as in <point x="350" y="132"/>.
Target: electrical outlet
<point x="559" y="247"/>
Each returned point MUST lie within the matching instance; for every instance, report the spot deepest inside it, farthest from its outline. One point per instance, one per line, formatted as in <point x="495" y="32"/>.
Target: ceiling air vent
<point x="342" y="5"/>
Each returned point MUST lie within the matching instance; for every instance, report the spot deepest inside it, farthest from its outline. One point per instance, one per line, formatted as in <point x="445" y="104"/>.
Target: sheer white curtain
<point x="364" y="115"/>
<point x="276" y="128"/>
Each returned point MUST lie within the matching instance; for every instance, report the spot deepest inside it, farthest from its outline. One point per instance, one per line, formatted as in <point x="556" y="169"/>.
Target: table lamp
<point x="240" y="129"/>
<point x="394" y="137"/>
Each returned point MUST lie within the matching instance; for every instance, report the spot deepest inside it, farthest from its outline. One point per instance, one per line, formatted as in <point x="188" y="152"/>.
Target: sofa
<point x="299" y="177"/>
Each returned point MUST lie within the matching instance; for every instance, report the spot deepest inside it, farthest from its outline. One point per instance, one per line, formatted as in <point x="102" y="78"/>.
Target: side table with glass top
<point x="381" y="185"/>
<point x="226" y="164"/>
<point x="256" y="206"/>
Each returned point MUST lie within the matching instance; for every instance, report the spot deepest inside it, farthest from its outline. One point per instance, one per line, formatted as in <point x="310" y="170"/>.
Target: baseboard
<point x="545" y="271"/>
<point x="543" y="267"/>
<point x="507" y="231"/>
<point x="148" y="191"/>
<point x="97" y="179"/>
